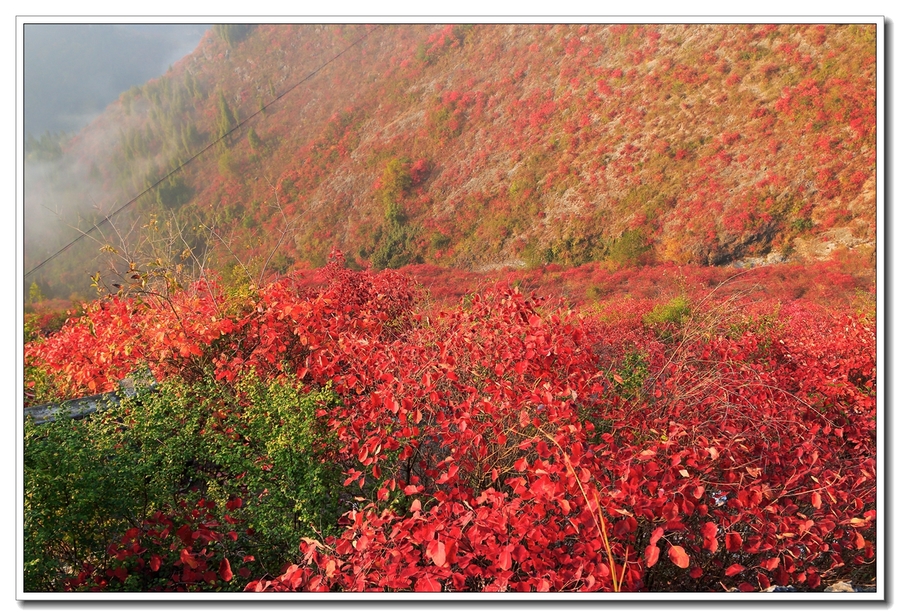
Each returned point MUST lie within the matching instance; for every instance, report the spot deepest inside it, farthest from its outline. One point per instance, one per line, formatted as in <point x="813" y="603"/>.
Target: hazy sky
<point x="73" y="71"/>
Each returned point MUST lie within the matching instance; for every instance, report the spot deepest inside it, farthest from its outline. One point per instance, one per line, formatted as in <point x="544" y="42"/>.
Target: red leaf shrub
<point x="512" y="443"/>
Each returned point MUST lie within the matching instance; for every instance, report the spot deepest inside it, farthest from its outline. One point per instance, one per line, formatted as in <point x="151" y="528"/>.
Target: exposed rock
<point x="770" y="259"/>
<point x="824" y="244"/>
<point x="511" y="263"/>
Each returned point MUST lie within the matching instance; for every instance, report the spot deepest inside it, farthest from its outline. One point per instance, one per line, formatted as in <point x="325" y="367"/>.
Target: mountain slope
<point x="488" y="145"/>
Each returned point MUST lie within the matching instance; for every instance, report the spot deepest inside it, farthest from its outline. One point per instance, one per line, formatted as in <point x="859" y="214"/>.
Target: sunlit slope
<point x="487" y="145"/>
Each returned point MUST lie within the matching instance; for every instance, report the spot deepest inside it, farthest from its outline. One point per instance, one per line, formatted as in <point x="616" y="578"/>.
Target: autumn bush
<point x="720" y="437"/>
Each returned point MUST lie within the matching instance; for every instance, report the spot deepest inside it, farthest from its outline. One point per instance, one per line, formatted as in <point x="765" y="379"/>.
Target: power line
<point x="193" y="157"/>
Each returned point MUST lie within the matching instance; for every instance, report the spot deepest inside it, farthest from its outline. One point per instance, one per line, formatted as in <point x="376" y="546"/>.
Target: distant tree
<point x="226" y="119"/>
<point x="190" y="137"/>
<point x="228" y="167"/>
<point x="35" y="295"/>
<point x="232" y="34"/>
<point x="173" y="193"/>
<point x="44" y="148"/>
<point x="396" y="244"/>
<point x="256" y="143"/>
<point x="630" y="248"/>
<point x="396" y="247"/>
<point x="395" y="182"/>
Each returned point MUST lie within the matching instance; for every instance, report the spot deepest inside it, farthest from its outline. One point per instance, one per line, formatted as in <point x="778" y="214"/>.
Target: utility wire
<point x="237" y="127"/>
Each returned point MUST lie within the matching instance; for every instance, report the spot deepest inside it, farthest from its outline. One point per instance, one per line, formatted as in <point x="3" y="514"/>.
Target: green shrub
<point x="228" y="166"/>
<point x="77" y="497"/>
<point x="632" y="373"/>
<point x="673" y="312"/>
<point x="35" y="295"/>
<point x="629" y="249"/>
<point x="666" y="319"/>
<point x="395" y="182"/>
<point x="88" y="481"/>
<point x="396" y="247"/>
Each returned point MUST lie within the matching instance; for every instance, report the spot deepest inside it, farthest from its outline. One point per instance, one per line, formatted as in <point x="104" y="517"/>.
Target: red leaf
<point x="437" y="552"/>
<point x="709" y="531"/>
<point x="504" y="559"/>
<point x="733" y="542"/>
<point x="770" y="564"/>
<point x="734" y="569"/>
<point x="188" y="559"/>
<point x="225" y="570"/>
<point x="361" y="543"/>
<point x="155" y="562"/>
<point x="427" y="584"/>
<point x="678" y="556"/>
<point x="520" y="553"/>
<point x="651" y="555"/>
<point x="184" y="533"/>
<point x="657" y="534"/>
<point x="816" y="500"/>
<point x="343" y="547"/>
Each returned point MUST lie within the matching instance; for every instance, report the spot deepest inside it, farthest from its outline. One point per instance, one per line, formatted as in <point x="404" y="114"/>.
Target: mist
<point x="72" y="73"/>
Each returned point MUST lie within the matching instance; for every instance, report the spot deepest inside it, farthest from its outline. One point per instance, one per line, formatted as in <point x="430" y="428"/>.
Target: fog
<point x="72" y="72"/>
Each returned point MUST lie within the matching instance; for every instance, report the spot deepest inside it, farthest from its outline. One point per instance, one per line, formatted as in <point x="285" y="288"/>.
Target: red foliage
<point x="506" y="442"/>
<point x="184" y="550"/>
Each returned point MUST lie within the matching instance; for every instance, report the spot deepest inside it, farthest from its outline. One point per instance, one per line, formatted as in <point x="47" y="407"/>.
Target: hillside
<point x="465" y="309"/>
<point x="483" y="146"/>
